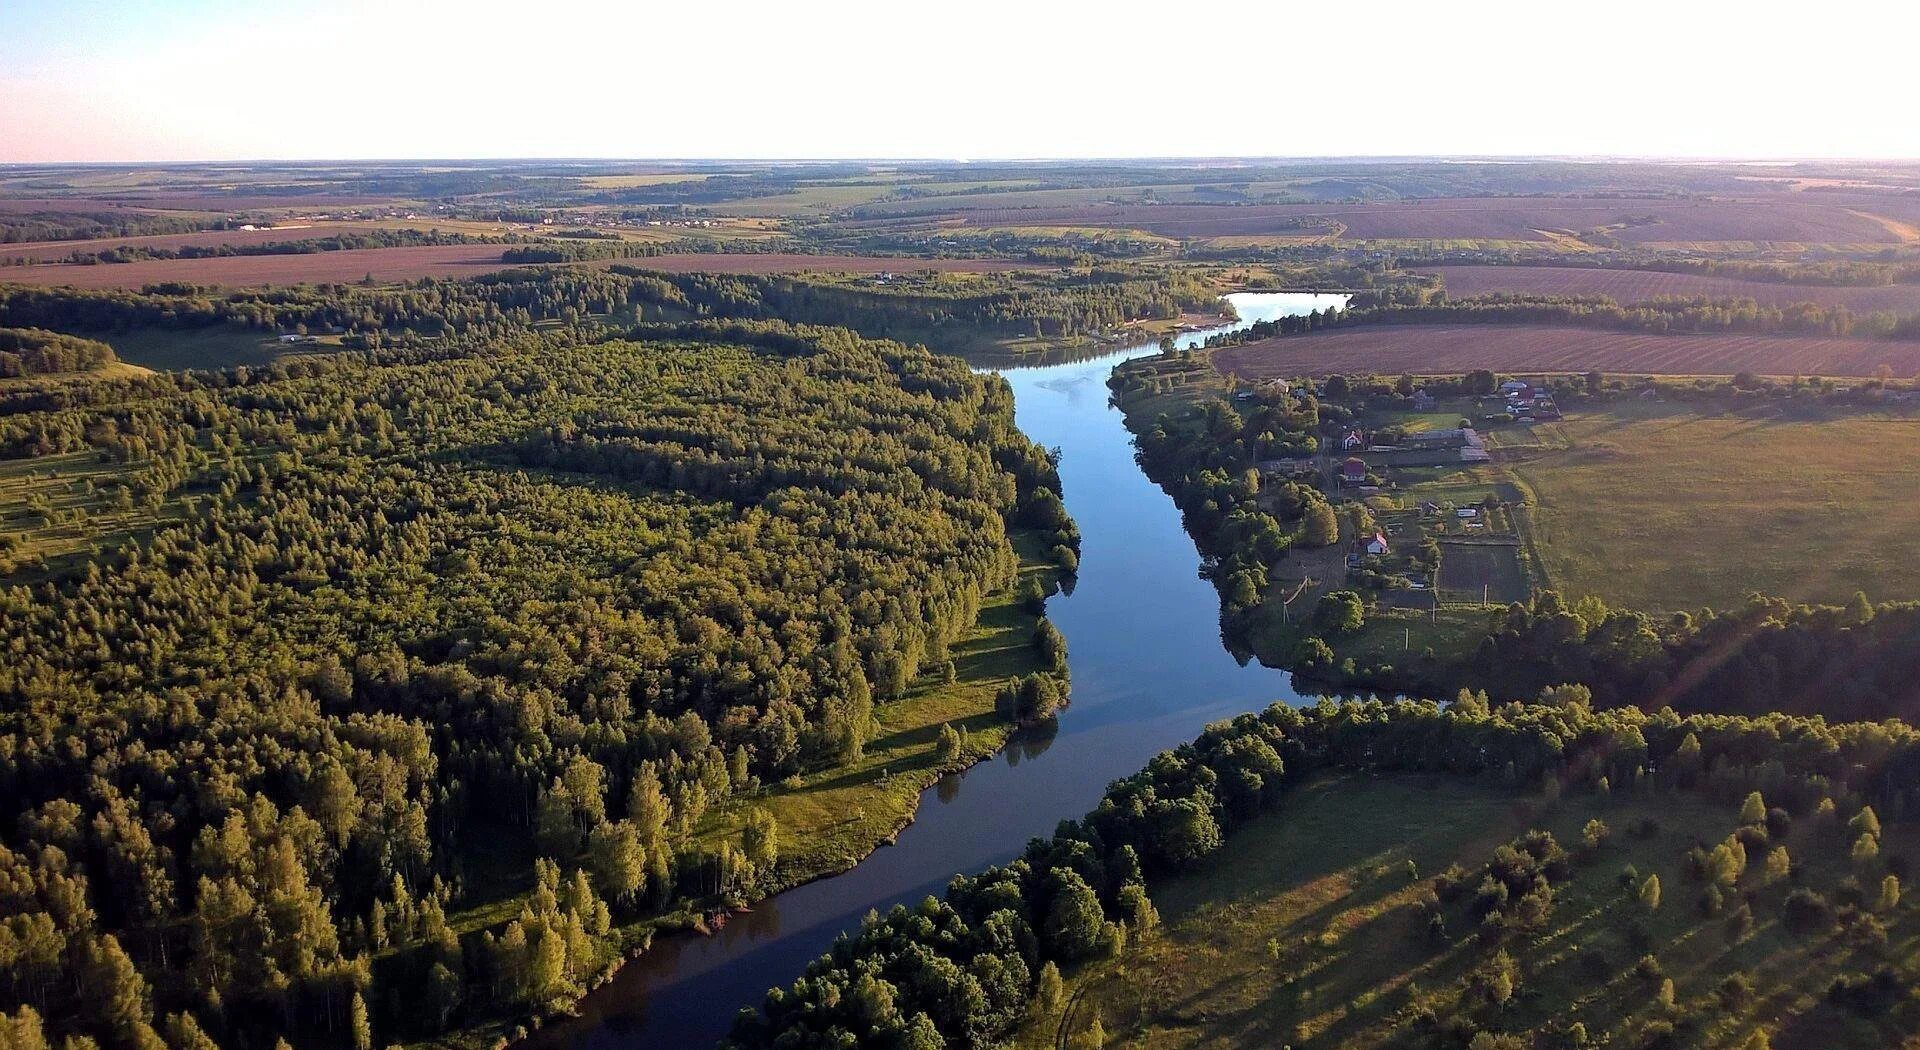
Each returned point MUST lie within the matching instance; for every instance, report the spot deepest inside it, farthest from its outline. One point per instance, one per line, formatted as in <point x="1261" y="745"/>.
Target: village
<point x="1423" y="524"/>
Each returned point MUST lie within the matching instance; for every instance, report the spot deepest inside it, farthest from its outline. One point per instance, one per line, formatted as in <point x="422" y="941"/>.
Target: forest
<point x="36" y="351"/>
<point x="421" y="628"/>
<point x="966" y="969"/>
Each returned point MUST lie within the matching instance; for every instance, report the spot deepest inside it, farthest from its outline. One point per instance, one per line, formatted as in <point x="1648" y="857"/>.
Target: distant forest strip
<point x="398" y="238"/>
<point x="79" y="223"/>
<point x="1831" y="273"/>
<point x="1411" y="305"/>
<point x="965" y="969"/>
<point x="260" y="743"/>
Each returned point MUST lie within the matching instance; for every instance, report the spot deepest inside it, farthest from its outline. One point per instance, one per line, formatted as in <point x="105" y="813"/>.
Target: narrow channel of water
<point x="1149" y="670"/>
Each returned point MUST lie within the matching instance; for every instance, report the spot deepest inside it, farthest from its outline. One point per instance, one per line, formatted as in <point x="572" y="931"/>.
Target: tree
<point x="1594" y="834"/>
<point x="648" y="808"/>
<point x="1865" y="822"/>
<point x="1650" y="893"/>
<point x="618" y="861"/>
<point x="760" y="839"/>
<point x="1866" y="850"/>
<point x="1074" y="919"/>
<point x="1321" y="526"/>
<point x="1049" y="992"/>
<point x="1777" y="867"/>
<point x="1754" y="809"/>
<point x="1340" y="612"/>
<point x="114" y="993"/>
<point x="358" y="1026"/>
<point x="1889" y="894"/>
<point x="442" y="994"/>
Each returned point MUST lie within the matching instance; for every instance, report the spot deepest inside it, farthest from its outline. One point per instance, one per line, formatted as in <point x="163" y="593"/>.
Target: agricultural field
<point x="1436" y="349"/>
<point x="1631" y="286"/>
<point x="1313" y="929"/>
<point x="1542" y="221"/>
<point x="1658" y="506"/>
<point x="1481" y="571"/>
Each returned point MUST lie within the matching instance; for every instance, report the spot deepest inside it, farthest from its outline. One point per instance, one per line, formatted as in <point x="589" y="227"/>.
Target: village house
<point x="1352" y="441"/>
<point x="1423" y="401"/>
<point x="1354" y="472"/>
<point x="1378" y="544"/>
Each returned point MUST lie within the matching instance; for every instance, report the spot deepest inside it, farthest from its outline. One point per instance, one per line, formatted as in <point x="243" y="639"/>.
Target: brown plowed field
<point x="1631" y="286"/>
<point x="1636" y="221"/>
<point x="1445" y="349"/>
<point x="53" y="251"/>
<point x="462" y="260"/>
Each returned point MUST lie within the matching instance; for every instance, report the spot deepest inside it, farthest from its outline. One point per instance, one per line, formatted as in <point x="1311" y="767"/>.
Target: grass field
<point x="176" y="349"/>
<point x="1660" y="507"/>
<point x="1304" y="931"/>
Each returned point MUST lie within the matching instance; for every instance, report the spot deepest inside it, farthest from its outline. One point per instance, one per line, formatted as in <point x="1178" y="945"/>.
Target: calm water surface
<point x="1148" y="671"/>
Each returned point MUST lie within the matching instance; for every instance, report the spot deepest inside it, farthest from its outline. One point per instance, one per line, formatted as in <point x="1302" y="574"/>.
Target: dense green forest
<point x="964" y="970"/>
<point x="414" y="321"/>
<point x="36" y="351"/>
<point x="306" y="662"/>
<point x="953" y="307"/>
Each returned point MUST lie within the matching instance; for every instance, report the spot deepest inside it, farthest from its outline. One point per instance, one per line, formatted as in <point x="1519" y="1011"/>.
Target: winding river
<point x="1148" y="671"/>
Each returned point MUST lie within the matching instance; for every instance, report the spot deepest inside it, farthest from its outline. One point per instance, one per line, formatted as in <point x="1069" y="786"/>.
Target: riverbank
<point x="831" y="819"/>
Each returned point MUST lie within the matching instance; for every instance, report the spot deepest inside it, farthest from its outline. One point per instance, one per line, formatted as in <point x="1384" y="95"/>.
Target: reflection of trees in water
<point x="990" y="359"/>
<point x="947" y="788"/>
<point x="1030" y="742"/>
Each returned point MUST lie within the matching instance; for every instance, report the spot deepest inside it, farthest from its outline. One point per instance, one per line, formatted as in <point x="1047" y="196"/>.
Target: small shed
<point x="1354" y="471"/>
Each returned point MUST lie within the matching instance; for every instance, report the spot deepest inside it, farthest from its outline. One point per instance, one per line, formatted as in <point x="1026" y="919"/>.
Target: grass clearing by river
<point x="1304" y="931"/>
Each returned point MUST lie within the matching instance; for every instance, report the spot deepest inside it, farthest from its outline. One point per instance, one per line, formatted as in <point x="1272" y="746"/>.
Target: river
<point x="1149" y="670"/>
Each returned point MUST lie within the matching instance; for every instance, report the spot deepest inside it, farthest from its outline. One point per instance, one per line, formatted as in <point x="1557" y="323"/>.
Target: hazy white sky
<point x="84" y="80"/>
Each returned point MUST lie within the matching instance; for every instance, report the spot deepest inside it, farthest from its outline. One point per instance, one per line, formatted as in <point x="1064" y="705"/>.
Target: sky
<point x="179" y="80"/>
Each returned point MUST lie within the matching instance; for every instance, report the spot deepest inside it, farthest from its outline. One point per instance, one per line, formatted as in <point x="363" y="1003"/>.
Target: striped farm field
<point x="1632" y="286"/>
<point x="1443" y="348"/>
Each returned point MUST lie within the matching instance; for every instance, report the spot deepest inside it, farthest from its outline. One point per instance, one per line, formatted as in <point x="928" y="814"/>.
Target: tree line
<point x="373" y="238"/>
